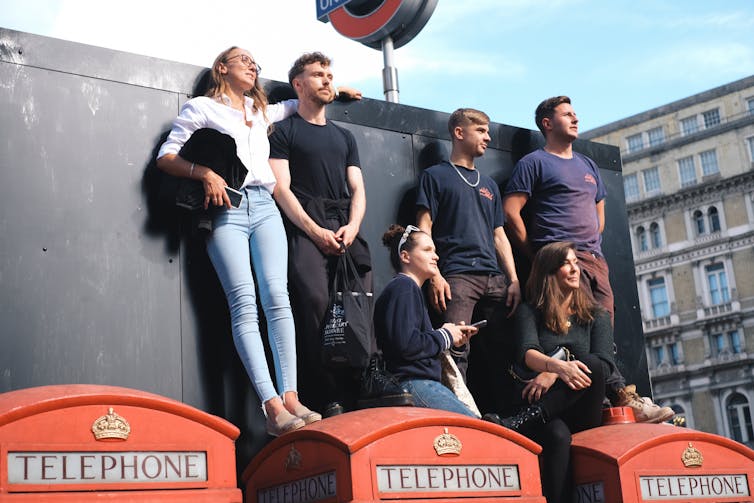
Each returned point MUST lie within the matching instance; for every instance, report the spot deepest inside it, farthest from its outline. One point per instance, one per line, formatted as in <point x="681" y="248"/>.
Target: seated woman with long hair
<point x="411" y="347"/>
<point x="565" y="397"/>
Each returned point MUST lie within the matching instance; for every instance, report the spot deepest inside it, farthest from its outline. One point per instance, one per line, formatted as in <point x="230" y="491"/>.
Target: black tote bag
<point x="347" y="333"/>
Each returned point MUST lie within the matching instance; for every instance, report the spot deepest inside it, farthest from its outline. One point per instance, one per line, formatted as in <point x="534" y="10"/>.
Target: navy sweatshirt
<point x="410" y="346"/>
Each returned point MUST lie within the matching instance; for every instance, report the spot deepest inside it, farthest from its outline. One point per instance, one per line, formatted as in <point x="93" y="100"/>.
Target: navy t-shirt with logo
<point x="563" y="194"/>
<point x="464" y="218"/>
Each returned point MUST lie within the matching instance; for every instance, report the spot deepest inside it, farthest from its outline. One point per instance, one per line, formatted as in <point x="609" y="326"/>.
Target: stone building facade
<point x="688" y="173"/>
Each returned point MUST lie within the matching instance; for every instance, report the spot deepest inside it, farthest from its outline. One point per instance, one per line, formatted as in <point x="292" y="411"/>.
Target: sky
<point x="614" y="58"/>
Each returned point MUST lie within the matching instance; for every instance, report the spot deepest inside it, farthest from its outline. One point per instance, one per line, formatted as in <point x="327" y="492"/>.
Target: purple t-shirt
<point x="563" y="194"/>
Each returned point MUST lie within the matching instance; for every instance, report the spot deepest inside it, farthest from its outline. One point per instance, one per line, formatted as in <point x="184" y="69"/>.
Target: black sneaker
<point x="380" y="389"/>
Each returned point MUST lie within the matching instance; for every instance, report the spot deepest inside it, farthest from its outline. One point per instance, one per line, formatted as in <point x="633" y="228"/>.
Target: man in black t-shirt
<point x="321" y="191"/>
<point x="462" y="210"/>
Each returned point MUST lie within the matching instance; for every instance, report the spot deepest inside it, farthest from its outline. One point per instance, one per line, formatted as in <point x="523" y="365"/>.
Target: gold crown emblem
<point x="691" y="457"/>
<point x="293" y="460"/>
<point x="111" y="425"/>
<point x="447" y="443"/>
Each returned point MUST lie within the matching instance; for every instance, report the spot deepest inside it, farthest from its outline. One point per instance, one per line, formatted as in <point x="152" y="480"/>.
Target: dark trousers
<point x="310" y="274"/>
<point x="595" y="276"/>
<point x="482" y="297"/>
<point x="568" y="411"/>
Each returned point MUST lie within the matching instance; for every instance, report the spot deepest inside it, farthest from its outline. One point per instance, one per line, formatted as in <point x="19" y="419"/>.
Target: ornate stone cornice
<point x="670" y="108"/>
<point x="694" y="252"/>
<point x="713" y="190"/>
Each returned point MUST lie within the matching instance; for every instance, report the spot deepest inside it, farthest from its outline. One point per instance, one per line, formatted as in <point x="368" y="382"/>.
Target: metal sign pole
<point x="389" y="73"/>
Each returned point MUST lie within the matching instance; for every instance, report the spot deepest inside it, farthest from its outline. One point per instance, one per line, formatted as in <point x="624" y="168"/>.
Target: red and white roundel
<point x="400" y="19"/>
<point x="363" y="27"/>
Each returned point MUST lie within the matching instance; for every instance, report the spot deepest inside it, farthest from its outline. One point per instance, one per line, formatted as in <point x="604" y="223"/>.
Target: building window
<point x="689" y="125"/>
<point x="658" y="296"/>
<point x="656" y="136"/>
<point x="687" y="171"/>
<point x="739" y="418"/>
<point x="714" y="219"/>
<point x="631" y="187"/>
<point x="750" y="141"/>
<point x="667" y="354"/>
<point x="708" y="223"/>
<point x="641" y="239"/>
<point x="725" y="343"/>
<point x="717" y="281"/>
<point x="635" y="142"/>
<point x="717" y="344"/>
<point x="711" y="118"/>
<point x="651" y="180"/>
<point x="734" y="340"/>
<point x="750" y="105"/>
<point x="659" y="355"/>
<point x="674" y="353"/>
<point x="709" y="162"/>
<point x="654" y="235"/>
<point x="699" y="225"/>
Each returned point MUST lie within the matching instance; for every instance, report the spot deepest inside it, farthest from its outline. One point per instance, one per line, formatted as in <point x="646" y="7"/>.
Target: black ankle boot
<point x="380" y="389"/>
<point x="527" y="417"/>
<point x="333" y="409"/>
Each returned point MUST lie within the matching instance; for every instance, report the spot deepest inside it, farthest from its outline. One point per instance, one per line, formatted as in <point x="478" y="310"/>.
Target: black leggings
<point x="568" y="411"/>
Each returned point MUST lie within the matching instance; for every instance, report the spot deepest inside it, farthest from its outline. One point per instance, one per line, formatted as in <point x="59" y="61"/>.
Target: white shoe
<point x="645" y="410"/>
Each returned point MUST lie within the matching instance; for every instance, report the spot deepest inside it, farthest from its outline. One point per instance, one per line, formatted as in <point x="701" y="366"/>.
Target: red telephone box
<point x="92" y="443"/>
<point x="626" y="463"/>
<point x="396" y="453"/>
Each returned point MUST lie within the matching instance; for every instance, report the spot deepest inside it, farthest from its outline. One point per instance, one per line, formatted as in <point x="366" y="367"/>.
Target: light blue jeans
<point x="435" y="395"/>
<point x="253" y="236"/>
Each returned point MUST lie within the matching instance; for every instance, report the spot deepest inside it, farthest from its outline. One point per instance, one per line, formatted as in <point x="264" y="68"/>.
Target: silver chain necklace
<point x="472" y="185"/>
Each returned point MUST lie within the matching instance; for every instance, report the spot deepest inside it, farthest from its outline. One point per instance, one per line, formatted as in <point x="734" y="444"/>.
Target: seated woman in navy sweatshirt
<point x="411" y="347"/>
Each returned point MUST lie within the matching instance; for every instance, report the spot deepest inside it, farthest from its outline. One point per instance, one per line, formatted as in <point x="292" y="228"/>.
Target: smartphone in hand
<point x="234" y="196"/>
<point x="479" y="324"/>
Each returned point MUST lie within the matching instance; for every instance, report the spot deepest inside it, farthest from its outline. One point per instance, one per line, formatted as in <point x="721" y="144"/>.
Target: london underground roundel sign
<point x="370" y="21"/>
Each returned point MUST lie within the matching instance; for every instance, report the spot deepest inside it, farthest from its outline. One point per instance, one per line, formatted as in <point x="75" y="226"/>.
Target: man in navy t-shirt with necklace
<point x="461" y="209"/>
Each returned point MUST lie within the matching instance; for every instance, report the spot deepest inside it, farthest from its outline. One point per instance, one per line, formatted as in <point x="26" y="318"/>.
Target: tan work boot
<point x="645" y="410"/>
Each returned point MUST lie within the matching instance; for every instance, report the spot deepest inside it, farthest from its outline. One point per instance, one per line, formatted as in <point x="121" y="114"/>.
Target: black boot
<point x="333" y="409"/>
<point x="380" y="389"/>
<point x="527" y="417"/>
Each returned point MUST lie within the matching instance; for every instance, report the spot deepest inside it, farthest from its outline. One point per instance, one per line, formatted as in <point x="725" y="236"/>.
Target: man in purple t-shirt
<point x="556" y="194"/>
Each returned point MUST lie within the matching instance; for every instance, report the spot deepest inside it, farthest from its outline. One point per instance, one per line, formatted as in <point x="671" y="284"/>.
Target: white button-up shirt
<point x="252" y="145"/>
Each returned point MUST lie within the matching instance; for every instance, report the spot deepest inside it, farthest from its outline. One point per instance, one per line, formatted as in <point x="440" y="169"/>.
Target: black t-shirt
<point x="317" y="156"/>
<point x="464" y="218"/>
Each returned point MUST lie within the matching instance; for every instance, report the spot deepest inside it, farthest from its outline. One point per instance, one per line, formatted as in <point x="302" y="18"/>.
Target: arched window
<point x="654" y="235"/>
<point x="714" y="219"/>
<point x="641" y="239"/>
<point x="699" y="222"/>
<point x="739" y="418"/>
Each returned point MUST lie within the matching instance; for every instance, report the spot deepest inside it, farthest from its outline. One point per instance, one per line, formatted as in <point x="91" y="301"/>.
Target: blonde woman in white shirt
<point x="251" y="235"/>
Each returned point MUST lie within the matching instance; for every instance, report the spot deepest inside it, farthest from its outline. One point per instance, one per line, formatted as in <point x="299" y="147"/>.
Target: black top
<point x="595" y="337"/>
<point x="464" y="218"/>
<point x="410" y="346"/>
<point x="317" y="156"/>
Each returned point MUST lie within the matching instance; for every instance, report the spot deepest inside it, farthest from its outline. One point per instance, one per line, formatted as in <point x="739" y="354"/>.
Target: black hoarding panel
<point x="104" y="282"/>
